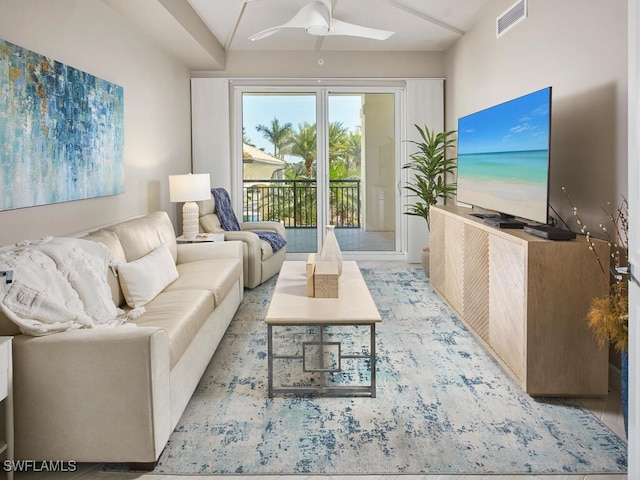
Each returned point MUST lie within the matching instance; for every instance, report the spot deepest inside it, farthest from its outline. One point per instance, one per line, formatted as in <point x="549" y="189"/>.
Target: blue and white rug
<point x="443" y="406"/>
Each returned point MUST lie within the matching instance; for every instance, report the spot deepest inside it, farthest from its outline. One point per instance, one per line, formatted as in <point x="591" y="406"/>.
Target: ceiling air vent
<point x="511" y="17"/>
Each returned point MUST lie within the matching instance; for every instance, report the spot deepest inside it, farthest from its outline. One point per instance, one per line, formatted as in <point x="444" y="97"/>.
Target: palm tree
<point x="246" y="139"/>
<point x="354" y="151"/>
<point x="338" y="143"/>
<point x="277" y="134"/>
<point x="303" y="144"/>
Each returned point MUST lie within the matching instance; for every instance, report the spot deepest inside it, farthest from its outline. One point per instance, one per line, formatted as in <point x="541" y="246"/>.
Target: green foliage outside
<point x="301" y="142"/>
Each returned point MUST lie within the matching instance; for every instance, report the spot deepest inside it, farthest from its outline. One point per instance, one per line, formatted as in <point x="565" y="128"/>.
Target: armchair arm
<point x="277" y="227"/>
<point x="253" y="242"/>
<point x="252" y="260"/>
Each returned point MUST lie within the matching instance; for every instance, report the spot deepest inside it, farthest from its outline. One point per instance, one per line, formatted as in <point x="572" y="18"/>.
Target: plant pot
<point x="425" y="257"/>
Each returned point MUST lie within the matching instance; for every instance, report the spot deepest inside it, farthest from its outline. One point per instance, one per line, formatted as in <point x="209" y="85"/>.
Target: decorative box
<point x="326" y="279"/>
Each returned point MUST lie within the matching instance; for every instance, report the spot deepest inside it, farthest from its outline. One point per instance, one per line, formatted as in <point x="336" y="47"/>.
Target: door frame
<point x="633" y="467"/>
<point x="322" y="89"/>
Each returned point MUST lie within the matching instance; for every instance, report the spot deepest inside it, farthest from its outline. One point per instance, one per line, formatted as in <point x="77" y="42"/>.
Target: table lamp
<point x="189" y="188"/>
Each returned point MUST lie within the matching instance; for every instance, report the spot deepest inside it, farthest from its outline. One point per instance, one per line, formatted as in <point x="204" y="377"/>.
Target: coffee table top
<point x="291" y="305"/>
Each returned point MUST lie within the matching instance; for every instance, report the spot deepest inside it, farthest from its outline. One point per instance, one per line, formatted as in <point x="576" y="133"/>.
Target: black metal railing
<point x="294" y="202"/>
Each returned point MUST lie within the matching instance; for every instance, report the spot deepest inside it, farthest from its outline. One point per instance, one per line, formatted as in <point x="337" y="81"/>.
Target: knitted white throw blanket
<point x="58" y="284"/>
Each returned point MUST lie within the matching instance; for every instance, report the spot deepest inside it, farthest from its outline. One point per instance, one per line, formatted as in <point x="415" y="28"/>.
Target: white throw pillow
<point x="143" y="279"/>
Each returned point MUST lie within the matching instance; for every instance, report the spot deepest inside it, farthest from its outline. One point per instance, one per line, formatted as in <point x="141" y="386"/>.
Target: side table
<point x="202" y="237"/>
<point x="6" y="397"/>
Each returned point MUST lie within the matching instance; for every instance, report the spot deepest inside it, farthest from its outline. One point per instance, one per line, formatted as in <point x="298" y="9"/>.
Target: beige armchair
<point x="259" y="261"/>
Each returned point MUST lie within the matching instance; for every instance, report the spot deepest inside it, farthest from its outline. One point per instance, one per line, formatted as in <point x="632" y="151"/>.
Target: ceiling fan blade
<point x="313" y="17"/>
<point x="265" y="33"/>
<point x="338" y="27"/>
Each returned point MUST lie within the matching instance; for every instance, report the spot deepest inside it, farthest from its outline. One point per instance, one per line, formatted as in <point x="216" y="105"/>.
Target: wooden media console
<point x="526" y="298"/>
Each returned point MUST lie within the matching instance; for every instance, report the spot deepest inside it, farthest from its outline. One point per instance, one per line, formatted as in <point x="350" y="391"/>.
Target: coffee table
<point x="290" y="306"/>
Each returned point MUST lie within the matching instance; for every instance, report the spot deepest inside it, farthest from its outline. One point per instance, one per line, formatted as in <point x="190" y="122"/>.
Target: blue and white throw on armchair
<point x="229" y="221"/>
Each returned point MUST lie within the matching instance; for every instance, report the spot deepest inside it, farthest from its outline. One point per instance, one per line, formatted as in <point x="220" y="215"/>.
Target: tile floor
<point x="607" y="409"/>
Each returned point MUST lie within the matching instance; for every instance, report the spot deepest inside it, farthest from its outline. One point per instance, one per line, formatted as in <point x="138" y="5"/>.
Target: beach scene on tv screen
<point x="503" y="157"/>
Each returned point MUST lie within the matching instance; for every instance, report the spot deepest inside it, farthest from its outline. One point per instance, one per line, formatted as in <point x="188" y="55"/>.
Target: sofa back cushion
<point x="127" y="241"/>
<point x="140" y="236"/>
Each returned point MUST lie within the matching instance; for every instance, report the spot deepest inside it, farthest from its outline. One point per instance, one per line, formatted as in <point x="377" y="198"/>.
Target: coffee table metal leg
<point x="322" y="368"/>
<point x="372" y="351"/>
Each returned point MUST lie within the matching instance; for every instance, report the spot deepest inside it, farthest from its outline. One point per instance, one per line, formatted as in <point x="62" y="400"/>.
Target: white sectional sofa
<point x="116" y="394"/>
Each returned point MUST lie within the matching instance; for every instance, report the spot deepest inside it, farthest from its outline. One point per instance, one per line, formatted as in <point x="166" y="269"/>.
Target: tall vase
<point x="624" y="390"/>
<point x="330" y="251"/>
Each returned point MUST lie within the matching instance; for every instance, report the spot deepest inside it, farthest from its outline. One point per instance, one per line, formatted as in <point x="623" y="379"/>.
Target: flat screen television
<point x="503" y="157"/>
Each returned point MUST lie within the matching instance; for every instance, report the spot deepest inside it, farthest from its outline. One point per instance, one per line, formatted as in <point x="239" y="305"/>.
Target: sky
<point x="261" y="109"/>
<point x="521" y="124"/>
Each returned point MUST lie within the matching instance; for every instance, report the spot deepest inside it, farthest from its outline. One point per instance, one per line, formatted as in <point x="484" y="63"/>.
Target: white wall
<point x="90" y="36"/>
<point x="580" y="49"/>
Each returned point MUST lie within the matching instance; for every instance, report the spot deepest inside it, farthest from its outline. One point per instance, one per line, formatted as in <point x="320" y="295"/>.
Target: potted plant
<point x="608" y="316"/>
<point x="430" y="166"/>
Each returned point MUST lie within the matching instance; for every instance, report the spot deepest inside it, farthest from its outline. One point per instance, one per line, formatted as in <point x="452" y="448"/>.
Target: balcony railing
<point x="294" y="202"/>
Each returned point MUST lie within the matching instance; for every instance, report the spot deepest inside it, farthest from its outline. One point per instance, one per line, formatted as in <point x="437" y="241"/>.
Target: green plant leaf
<point x="430" y="165"/>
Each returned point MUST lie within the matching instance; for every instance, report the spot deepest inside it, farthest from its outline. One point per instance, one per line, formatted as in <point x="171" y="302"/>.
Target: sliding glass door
<point x="362" y="164"/>
<point x="322" y="156"/>
<point x="279" y="152"/>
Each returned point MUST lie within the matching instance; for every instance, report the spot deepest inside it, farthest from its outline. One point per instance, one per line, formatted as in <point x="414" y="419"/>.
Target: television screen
<point x="503" y="157"/>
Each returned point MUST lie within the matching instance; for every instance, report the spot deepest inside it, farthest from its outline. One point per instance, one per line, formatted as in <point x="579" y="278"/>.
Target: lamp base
<point x="190" y="220"/>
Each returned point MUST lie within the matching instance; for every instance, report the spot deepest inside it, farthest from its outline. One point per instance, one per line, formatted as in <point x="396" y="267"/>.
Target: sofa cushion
<point x="112" y="242"/>
<point x="139" y="236"/>
<point x="215" y="275"/>
<point x="142" y="279"/>
<point x="180" y="313"/>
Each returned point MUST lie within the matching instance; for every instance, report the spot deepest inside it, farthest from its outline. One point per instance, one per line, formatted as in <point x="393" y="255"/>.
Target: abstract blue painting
<point x="61" y="131"/>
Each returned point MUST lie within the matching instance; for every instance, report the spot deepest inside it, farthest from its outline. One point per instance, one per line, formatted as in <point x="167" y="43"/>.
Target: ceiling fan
<point x="315" y="17"/>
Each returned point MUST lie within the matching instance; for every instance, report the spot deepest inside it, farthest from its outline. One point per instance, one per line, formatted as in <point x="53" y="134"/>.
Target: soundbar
<point x="549" y="232"/>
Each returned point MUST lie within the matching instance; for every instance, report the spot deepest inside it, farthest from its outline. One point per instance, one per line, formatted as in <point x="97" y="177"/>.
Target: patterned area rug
<point x="443" y="406"/>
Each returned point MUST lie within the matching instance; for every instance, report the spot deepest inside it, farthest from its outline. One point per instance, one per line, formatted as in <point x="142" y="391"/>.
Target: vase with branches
<point x="608" y="316"/>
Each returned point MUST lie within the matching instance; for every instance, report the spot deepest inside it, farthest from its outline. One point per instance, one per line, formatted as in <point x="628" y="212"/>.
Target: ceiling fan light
<point x="318" y="29"/>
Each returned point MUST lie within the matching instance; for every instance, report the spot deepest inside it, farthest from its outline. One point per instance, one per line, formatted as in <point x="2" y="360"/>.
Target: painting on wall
<point x="61" y="131"/>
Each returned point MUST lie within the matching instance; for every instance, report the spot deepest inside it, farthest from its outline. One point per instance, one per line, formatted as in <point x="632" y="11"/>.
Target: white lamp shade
<point x="191" y="187"/>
